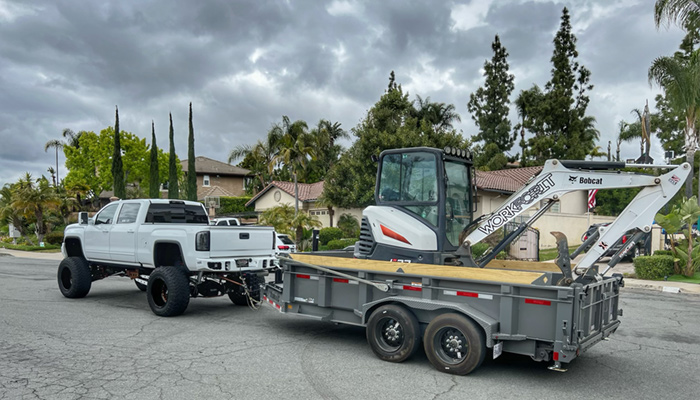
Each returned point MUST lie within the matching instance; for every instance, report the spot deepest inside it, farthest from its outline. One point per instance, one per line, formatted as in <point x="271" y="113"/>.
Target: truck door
<point x="96" y="239"/>
<point x="122" y="238"/>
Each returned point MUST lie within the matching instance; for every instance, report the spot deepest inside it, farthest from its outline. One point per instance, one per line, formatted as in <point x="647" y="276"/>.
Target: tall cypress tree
<point x="117" y="166"/>
<point x="489" y="105"/>
<point x="154" y="181"/>
<point x="191" y="172"/>
<point x="173" y="190"/>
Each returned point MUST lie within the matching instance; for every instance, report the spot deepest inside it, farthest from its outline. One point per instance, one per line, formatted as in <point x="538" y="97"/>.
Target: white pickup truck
<point x="169" y="249"/>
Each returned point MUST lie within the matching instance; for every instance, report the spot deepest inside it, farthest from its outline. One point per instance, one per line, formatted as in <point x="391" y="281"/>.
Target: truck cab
<point x="424" y="200"/>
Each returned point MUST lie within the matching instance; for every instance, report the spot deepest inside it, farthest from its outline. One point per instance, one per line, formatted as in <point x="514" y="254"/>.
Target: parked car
<point x="226" y="222"/>
<point x="285" y="244"/>
<point x="638" y="249"/>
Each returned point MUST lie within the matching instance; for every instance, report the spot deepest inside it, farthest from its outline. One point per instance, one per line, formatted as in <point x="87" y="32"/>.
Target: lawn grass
<point x="685" y="279"/>
<point x="48" y="248"/>
<point x="551" y="254"/>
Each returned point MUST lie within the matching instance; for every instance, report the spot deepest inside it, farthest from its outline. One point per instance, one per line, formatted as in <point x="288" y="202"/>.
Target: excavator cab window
<point x="409" y="180"/>
<point x="457" y="202"/>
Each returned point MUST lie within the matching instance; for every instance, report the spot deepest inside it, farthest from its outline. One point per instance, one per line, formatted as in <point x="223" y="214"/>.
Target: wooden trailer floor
<point x="481" y="274"/>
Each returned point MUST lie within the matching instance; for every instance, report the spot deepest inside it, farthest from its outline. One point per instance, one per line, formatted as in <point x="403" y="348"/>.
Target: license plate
<point x="497" y="350"/>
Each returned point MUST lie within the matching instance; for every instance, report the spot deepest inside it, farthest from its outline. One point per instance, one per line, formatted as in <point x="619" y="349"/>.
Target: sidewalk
<point x="660" y="286"/>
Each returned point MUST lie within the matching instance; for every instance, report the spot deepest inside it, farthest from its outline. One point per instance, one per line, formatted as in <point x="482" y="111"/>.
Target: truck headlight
<point x="202" y="241"/>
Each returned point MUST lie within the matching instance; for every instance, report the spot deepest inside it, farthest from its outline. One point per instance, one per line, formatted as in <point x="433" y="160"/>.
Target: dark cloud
<point x="245" y="64"/>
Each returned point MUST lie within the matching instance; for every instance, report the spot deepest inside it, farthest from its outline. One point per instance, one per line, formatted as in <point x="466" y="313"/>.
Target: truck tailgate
<point x="234" y="241"/>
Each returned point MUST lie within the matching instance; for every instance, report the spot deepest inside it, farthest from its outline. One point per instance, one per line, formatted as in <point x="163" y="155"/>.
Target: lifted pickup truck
<point x="169" y="249"/>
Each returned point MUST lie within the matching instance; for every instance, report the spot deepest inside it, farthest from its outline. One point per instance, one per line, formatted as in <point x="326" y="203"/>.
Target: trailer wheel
<point x="74" y="277"/>
<point x="393" y="333"/>
<point x="168" y="291"/>
<point x="454" y="344"/>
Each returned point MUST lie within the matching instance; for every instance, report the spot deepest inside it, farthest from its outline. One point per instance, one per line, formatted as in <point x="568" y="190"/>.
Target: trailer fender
<point x="488" y="324"/>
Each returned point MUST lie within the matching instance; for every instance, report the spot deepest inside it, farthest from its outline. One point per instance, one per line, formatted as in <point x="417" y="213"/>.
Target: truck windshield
<point x="411" y="179"/>
<point x="457" y="204"/>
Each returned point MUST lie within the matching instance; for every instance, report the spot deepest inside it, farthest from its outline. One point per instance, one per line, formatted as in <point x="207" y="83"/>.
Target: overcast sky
<point x="245" y="64"/>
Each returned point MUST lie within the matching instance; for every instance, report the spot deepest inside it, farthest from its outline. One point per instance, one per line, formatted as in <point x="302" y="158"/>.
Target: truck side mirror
<point x="83" y="218"/>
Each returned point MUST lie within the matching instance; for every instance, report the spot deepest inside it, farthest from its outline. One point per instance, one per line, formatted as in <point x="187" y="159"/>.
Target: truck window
<point x="128" y="213"/>
<point x="106" y="215"/>
<point x="222" y="223"/>
<point x="176" y="213"/>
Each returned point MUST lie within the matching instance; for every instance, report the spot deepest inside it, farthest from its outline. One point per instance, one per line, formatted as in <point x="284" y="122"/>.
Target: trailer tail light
<point x="555" y="356"/>
<point x="202" y="241"/>
<point x="281" y="247"/>
<point x="624" y="239"/>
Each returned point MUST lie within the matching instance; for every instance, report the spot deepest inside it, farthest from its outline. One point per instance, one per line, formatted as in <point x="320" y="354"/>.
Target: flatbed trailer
<point x="458" y="313"/>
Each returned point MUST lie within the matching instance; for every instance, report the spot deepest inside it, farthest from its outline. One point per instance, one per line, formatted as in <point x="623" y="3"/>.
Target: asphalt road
<point x="110" y="345"/>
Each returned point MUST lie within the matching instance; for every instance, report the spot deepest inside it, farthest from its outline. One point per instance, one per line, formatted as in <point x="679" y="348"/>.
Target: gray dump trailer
<point x="457" y="313"/>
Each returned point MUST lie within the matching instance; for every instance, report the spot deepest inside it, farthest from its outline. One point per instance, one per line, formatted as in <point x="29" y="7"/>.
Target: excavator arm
<point x="561" y="177"/>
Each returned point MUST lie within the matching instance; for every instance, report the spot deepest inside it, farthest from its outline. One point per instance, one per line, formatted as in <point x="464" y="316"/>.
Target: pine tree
<point x="154" y="182"/>
<point x="117" y="166"/>
<point x="173" y="190"/>
<point x="191" y="172"/>
<point x="557" y="117"/>
<point x="489" y="105"/>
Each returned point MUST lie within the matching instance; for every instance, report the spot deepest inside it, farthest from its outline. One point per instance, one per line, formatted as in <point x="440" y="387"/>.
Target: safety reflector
<point x="272" y="303"/>
<point x="303" y="276"/>
<point x="341" y="280"/>
<point x="413" y="288"/>
<point x="556" y="356"/>
<point x="468" y="294"/>
<point x="389" y="233"/>
<point x="538" y="302"/>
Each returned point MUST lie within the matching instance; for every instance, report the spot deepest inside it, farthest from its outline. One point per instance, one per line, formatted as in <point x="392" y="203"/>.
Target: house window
<point x="556" y="207"/>
<point x="205" y="181"/>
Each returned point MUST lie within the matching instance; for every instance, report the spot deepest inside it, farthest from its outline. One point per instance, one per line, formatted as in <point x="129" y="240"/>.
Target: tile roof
<point x="204" y="165"/>
<point x="505" y="180"/>
<point x="307" y="191"/>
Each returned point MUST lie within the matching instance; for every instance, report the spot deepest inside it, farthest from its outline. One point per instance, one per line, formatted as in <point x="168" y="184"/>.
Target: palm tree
<point x="33" y="198"/>
<point x="680" y="79"/>
<point x="9" y="214"/>
<point x="72" y="137"/>
<point x="257" y="158"/>
<point x="55" y="144"/>
<point x="440" y="116"/>
<point x="295" y="150"/>
<point x="303" y="221"/>
<point x="682" y="12"/>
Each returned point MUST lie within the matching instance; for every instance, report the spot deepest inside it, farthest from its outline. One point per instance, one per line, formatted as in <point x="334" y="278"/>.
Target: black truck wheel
<point x="454" y="344"/>
<point x="74" y="277"/>
<point x="237" y="293"/>
<point x="393" y="333"/>
<point x="168" y="291"/>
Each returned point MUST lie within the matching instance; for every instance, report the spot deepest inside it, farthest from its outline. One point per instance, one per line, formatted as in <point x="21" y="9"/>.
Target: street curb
<point x="658" y="286"/>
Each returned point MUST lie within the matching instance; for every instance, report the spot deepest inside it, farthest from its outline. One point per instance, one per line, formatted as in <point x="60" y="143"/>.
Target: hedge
<point x="326" y="235"/>
<point x="55" y="237"/>
<point x="233" y="205"/>
<point x="340" y="244"/>
<point x="663" y="253"/>
<point x="653" y="267"/>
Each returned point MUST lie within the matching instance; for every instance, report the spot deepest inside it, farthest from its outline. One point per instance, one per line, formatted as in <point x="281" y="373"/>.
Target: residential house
<point x="216" y="178"/>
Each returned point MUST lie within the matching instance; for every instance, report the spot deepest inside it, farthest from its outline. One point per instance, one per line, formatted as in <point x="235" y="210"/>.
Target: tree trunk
<point x="691" y="143"/>
<point x="296" y="195"/>
<point x="689" y="158"/>
<point x="330" y="215"/>
<point x="689" y="270"/>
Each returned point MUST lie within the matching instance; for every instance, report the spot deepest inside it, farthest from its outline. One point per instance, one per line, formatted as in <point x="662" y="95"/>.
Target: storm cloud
<point x="244" y="64"/>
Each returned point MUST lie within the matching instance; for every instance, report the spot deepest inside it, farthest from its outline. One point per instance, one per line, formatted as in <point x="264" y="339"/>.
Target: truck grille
<point x="366" y="243"/>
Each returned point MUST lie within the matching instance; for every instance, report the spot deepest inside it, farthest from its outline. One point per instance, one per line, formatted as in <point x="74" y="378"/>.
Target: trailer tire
<point x="74" y="277"/>
<point x="393" y="333"/>
<point x="446" y="339"/>
<point x="168" y="291"/>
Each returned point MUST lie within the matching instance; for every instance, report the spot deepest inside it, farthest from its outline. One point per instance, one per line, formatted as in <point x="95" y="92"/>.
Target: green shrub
<point x="653" y="267"/>
<point x="325" y="235"/>
<point x="340" y="244"/>
<point x="233" y="205"/>
<point x="29" y="248"/>
<point x="55" y="237"/>
<point x="663" y="253"/>
<point x="479" y="249"/>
